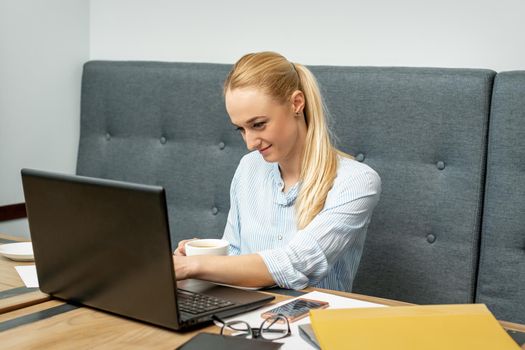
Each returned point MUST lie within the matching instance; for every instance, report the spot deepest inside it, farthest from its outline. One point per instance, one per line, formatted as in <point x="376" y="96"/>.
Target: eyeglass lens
<point x="275" y="328"/>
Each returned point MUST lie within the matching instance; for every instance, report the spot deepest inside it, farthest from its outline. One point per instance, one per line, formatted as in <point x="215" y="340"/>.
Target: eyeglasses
<point x="272" y="328"/>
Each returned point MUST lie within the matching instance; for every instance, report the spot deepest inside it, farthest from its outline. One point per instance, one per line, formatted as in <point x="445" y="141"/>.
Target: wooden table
<point x="13" y="293"/>
<point x="86" y="328"/>
<point x="26" y="321"/>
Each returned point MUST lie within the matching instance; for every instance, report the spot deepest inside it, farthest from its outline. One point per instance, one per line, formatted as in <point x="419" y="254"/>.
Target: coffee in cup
<point x="207" y="247"/>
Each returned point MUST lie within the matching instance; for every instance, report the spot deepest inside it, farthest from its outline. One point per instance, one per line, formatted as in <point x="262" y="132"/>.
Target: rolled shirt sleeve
<point x="339" y="229"/>
<point x="326" y="253"/>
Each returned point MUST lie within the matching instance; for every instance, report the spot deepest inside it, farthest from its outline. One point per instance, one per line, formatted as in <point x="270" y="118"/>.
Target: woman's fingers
<point x="181" y="250"/>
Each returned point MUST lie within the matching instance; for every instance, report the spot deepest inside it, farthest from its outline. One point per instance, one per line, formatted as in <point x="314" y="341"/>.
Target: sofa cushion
<point x="501" y="283"/>
<point x="424" y="131"/>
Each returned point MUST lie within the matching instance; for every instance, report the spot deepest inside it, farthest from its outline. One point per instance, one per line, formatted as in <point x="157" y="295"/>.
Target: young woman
<point x="299" y="208"/>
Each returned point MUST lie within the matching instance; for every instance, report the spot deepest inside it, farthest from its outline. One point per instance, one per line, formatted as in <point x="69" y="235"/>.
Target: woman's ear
<point x="298" y="102"/>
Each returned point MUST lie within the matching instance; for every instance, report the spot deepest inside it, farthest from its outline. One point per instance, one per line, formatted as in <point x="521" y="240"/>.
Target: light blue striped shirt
<point x="324" y="254"/>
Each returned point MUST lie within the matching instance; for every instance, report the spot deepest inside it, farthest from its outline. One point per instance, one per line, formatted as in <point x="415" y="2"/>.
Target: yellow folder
<point x="443" y="327"/>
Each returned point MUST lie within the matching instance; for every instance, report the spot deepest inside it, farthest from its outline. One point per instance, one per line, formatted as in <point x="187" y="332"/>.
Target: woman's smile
<point x="265" y="150"/>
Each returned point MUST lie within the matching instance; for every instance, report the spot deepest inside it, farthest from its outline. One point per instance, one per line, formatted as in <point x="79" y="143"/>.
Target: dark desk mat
<point x="36" y="316"/>
<point x="16" y="291"/>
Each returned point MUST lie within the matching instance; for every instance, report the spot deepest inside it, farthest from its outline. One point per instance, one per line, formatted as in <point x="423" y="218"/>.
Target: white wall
<point x="43" y="45"/>
<point x="442" y="33"/>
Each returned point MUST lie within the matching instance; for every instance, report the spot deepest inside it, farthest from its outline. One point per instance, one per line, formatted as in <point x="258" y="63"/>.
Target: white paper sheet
<point x="295" y="341"/>
<point x="28" y="275"/>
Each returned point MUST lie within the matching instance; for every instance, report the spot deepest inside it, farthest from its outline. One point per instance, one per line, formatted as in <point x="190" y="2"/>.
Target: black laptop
<point x="106" y="244"/>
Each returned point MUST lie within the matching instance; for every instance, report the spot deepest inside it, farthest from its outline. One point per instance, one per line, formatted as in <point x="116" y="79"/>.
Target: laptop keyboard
<point x="195" y="303"/>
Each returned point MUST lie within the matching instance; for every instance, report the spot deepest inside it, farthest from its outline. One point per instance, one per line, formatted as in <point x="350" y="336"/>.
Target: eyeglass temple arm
<point x="217" y="318"/>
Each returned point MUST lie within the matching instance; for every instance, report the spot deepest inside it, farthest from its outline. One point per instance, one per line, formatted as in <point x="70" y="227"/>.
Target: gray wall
<point x="435" y="33"/>
<point x="43" y="45"/>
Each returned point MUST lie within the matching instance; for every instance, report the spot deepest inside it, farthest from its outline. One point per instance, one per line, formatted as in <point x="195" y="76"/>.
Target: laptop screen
<point x="102" y="243"/>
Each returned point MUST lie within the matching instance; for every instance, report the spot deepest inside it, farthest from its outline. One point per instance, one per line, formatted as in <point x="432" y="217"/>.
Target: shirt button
<point x="163" y="140"/>
<point x="221" y="145"/>
<point x="440" y="165"/>
<point x="214" y="210"/>
<point x="360" y="157"/>
<point x="108" y="136"/>
<point x="280" y="237"/>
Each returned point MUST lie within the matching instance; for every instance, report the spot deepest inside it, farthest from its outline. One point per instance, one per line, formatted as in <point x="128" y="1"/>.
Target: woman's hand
<point x="185" y="266"/>
<point x="181" y="249"/>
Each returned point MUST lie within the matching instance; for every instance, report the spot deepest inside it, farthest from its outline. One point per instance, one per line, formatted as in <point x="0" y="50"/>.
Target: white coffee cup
<point x="207" y="247"/>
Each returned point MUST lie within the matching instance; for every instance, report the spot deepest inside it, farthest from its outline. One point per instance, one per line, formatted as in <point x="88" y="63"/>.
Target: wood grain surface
<point x="87" y="328"/>
<point x="10" y="279"/>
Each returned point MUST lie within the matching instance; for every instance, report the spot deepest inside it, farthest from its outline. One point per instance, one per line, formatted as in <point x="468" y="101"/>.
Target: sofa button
<point x="440" y="165"/>
<point x="221" y="145"/>
<point x="108" y="136"/>
<point x="163" y="140"/>
<point x="360" y="157"/>
<point x="431" y="238"/>
<point x="214" y="210"/>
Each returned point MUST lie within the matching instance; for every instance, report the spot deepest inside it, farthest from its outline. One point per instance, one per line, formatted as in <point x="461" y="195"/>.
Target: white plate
<point x="22" y="251"/>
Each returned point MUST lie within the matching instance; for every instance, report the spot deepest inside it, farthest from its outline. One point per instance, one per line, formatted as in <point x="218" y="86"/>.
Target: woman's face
<point x="270" y="127"/>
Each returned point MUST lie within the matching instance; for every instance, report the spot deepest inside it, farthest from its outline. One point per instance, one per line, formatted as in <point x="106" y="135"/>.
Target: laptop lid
<point x="106" y="244"/>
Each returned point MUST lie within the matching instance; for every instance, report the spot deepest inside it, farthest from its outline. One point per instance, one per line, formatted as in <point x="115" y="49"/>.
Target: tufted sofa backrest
<point x="501" y="283"/>
<point x="162" y="124"/>
<point x="423" y="130"/>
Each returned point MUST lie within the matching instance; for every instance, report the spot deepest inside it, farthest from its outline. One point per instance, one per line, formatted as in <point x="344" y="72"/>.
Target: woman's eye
<point x="258" y="125"/>
<point x="239" y="129"/>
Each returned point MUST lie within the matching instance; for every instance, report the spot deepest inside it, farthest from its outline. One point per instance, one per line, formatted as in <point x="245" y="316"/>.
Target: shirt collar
<point x="288" y="198"/>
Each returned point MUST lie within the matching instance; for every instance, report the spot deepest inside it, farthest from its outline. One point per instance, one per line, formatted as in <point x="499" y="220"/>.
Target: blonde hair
<point x="279" y="78"/>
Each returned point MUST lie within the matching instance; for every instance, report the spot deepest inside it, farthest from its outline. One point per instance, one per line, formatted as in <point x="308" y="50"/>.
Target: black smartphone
<point x="296" y="309"/>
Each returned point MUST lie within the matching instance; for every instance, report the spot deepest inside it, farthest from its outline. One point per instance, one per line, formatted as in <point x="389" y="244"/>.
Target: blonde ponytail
<point x="319" y="166"/>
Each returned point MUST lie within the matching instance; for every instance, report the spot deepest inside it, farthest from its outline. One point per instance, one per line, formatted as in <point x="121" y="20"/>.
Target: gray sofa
<point x="447" y="143"/>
